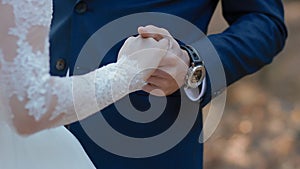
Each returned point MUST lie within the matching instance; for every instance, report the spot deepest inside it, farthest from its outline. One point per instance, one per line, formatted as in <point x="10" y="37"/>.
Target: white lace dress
<point x="48" y="101"/>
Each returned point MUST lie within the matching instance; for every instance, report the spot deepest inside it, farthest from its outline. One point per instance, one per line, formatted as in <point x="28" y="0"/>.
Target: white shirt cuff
<point x="194" y="94"/>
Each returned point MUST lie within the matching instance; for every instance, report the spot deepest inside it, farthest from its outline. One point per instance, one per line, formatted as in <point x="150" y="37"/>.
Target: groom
<point x="256" y="34"/>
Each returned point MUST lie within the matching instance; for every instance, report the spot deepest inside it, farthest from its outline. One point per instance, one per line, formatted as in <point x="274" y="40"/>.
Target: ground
<point x="260" y="128"/>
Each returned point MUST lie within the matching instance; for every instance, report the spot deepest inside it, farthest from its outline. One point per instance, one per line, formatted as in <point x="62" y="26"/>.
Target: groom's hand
<point x="170" y="75"/>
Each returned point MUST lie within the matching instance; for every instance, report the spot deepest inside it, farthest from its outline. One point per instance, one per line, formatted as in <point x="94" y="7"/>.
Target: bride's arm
<point x="38" y="101"/>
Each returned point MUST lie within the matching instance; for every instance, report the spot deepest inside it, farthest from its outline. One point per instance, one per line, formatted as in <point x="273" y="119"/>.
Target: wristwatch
<point x="196" y="71"/>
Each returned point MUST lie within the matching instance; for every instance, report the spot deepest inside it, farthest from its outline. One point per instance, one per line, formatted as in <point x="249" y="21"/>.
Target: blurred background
<point x="260" y="128"/>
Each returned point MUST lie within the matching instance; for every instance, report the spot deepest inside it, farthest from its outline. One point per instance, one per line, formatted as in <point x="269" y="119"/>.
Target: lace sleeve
<point x="33" y="99"/>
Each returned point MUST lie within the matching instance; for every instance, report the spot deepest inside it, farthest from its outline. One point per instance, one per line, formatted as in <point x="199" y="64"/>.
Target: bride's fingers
<point x="164" y="44"/>
<point x="142" y="46"/>
<point x="125" y="46"/>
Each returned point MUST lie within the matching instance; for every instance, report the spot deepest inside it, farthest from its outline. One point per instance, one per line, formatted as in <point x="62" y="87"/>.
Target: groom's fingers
<point x="154" y="32"/>
<point x="157" y="81"/>
<point x="155" y="36"/>
<point x="154" y="90"/>
<point x="161" y="73"/>
<point x="155" y="29"/>
<point x="162" y="81"/>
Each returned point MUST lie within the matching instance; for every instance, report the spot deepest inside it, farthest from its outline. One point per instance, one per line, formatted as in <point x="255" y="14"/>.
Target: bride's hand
<point x="147" y="52"/>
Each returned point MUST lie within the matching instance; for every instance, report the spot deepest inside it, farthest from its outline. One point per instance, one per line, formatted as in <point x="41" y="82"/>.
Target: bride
<point x="31" y="100"/>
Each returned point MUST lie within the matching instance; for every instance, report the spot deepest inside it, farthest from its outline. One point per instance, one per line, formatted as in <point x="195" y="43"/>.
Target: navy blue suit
<point x="256" y="34"/>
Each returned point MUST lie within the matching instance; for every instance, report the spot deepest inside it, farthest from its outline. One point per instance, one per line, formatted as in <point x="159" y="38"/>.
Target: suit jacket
<point x="256" y="34"/>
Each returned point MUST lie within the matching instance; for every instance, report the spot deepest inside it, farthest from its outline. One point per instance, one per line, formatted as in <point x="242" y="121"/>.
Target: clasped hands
<point x="154" y="48"/>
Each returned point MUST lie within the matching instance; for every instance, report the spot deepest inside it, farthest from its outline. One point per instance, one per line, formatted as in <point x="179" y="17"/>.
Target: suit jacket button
<point x="81" y="7"/>
<point x="60" y="64"/>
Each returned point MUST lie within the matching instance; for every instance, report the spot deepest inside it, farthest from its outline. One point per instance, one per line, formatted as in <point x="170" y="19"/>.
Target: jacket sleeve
<point x="256" y="34"/>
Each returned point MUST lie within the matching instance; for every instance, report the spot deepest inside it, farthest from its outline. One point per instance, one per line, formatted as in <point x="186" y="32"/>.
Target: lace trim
<point x="27" y="76"/>
<point x="98" y="89"/>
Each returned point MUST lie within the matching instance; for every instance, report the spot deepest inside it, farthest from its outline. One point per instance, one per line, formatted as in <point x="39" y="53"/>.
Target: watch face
<point x="196" y="76"/>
